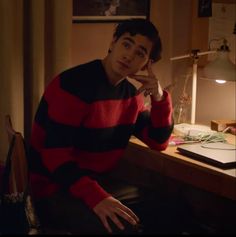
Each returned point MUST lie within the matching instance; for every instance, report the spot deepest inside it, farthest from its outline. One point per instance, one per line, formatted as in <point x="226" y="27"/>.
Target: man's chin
<point x="121" y="73"/>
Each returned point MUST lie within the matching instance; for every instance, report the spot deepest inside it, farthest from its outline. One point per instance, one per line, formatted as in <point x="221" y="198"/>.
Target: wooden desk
<point x="172" y="164"/>
<point x="209" y="191"/>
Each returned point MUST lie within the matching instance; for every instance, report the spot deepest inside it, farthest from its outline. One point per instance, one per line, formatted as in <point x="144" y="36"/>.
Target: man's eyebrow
<point x="133" y="42"/>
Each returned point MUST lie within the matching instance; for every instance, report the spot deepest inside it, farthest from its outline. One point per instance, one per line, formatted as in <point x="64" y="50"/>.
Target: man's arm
<point x="55" y="129"/>
<point x="155" y="127"/>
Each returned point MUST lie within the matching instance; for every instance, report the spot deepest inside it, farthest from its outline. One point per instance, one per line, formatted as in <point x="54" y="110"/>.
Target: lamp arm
<point x="195" y="56"/>
<point x="191" y="55"/>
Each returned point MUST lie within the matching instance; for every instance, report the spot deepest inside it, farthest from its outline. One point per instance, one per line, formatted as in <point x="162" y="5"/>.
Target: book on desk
<point x="220" y="154"/>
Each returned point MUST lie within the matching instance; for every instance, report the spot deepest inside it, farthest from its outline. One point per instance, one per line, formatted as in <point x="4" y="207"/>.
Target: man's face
<point x="129" y="54"/>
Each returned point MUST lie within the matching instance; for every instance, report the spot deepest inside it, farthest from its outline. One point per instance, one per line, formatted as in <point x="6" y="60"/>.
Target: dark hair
<point x="145" y="28"/>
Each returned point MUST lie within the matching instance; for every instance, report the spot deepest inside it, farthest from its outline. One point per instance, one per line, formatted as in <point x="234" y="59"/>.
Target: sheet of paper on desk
<point x="220" y="154"/>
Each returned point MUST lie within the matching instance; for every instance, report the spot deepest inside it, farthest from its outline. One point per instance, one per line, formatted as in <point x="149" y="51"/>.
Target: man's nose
<point x="129" y="55"/>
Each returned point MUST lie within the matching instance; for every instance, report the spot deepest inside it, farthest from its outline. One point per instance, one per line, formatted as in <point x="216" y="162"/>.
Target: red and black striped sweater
<point x="83" y="125"/>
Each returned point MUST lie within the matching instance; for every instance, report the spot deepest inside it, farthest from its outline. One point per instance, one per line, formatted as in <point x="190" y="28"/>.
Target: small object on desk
<point x="178" y="140"/>
<point x="232" y="130"/>
<point x="221" y="125"/>
<point x="184" y="129"/>
<point x="204" y="138"/>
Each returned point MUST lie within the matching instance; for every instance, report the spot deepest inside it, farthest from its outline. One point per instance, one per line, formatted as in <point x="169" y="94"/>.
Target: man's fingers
<point x="147" y="91"/>
<point x="126" y="216"/>
<point x="130" y="212"/>
<point x="141" y="89"/>
<point x="113" y="209"/>
<point x="115" y="219"/>
<point x="106" y="225"/>
<point x="140" y="78"/>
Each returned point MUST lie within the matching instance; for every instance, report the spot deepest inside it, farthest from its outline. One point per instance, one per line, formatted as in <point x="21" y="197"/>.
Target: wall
<point x="181" y="45"/>
<point x="214" y="101"/>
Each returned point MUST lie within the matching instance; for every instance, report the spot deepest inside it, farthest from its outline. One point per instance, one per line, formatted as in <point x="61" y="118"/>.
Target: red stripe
<point x="64" y="107"/>
<point x="54" y="157"/>
<point x="37" y="137"/>
<point x="111" y="113"/>
<point x="89" y="191"/>
<point x="41" y="186"/>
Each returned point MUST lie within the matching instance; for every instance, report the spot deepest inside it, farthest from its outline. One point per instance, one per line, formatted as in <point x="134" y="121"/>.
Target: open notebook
<point x="219" y="154"/>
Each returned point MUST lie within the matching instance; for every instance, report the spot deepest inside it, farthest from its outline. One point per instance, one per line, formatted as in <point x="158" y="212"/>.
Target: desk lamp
<point x="221" y="69"/>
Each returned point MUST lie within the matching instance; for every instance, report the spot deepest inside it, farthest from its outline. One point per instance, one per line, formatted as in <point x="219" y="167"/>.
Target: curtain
<point x="35" y="45"/>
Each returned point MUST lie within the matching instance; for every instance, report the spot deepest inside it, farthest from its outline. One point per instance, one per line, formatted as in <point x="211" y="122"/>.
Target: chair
<point x="19" y="168"/>
<point x="19" y="173"/>
<point x="19" y="177"/>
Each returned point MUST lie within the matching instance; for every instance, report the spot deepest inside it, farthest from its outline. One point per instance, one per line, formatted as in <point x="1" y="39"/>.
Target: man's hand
<point x="112" y="208"/>
<point x="150" y="84"/>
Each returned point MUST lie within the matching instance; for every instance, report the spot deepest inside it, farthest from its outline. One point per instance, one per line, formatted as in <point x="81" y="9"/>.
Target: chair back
<point x="19" y="168"/>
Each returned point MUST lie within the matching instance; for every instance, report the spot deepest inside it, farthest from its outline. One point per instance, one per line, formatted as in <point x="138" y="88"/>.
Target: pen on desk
<point x="176" y="143"/>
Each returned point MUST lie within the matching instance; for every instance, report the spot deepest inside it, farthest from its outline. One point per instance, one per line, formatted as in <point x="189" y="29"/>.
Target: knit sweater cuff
<point x="89" y="191"/>
<point x="161" y="112"/>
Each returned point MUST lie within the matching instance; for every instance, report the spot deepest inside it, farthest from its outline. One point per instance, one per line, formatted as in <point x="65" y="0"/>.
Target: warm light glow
<point x="220" y="68"/>
<point x="220" y="81"/>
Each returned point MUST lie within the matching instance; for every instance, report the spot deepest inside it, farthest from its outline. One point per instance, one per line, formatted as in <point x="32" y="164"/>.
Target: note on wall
<point x="221" y="25"/>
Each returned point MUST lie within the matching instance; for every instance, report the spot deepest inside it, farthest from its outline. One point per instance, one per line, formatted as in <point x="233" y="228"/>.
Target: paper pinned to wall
<point x="221" y="25"/>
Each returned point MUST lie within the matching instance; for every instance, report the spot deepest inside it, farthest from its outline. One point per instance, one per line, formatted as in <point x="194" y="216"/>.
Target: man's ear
<point x="112" y="43"/>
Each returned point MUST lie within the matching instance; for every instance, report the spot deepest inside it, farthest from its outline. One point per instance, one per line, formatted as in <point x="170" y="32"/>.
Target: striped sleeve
<point x="155" y="127"/>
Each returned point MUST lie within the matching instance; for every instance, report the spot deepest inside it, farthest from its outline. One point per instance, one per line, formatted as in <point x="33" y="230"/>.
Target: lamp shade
<point x="221" y="68"/>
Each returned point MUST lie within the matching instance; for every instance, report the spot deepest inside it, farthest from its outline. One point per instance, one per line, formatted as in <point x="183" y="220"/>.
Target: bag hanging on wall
<point x="17" y="213"/>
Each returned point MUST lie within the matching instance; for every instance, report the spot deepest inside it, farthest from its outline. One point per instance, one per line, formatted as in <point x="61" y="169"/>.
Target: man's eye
<point x="126" y="45"/>
<point x="140" y="54"/>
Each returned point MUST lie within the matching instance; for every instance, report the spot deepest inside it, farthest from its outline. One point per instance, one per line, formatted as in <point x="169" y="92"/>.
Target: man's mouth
<point x="124" y="65"/>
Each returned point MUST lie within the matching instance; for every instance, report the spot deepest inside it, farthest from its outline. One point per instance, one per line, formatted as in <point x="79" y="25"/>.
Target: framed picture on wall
<point x="109" y="10"/>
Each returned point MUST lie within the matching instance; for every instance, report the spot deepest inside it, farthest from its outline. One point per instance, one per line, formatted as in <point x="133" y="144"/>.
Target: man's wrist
<point x="158" y="97"/>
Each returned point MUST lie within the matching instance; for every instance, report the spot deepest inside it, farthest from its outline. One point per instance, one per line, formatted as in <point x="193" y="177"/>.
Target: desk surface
<point x="173" y="164"/>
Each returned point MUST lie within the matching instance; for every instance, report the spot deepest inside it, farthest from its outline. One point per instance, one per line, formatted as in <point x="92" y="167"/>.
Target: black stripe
<point x="89" y="139"/>
<point x="35" y="163"/>
<point x="160" y="135"/>
<point x="59" y="135"/>
<point x="89" y="82"/>
<point x="105" y="139"/>
<point x="142" y="121"/>
<point x="69" y="173"/>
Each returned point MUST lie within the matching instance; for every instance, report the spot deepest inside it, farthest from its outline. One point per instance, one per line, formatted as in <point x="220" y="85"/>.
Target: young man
<point x="82" y="127"/>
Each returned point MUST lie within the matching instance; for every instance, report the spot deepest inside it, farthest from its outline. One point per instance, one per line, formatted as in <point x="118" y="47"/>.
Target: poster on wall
<point x="221" y="26"/>
<point x="204" y="8"/>
<point x="109" y="10"/>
